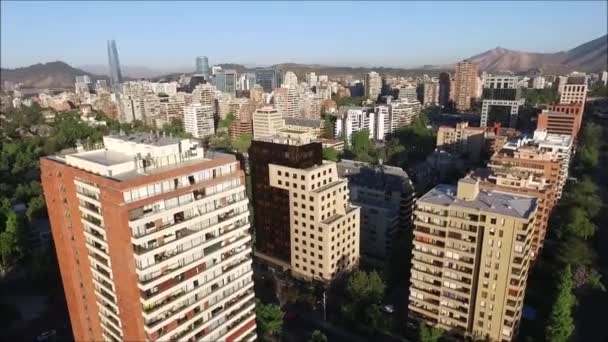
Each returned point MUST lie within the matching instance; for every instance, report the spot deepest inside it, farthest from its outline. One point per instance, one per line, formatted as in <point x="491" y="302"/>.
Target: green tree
<point x="227" y="121"/>
<point x="329" y="126"/>
<point x="36" y="208"/>
<point x="561" y="323"/>
<point x="242" y="143"/>
<point x="575" y="251"/>
<point x="13" y="240"/>
<point x="317" y="336"/>
<point x="364" y="292"/>
<point x="269" y="318"/>
<point x="579" y="224"/>
<point x="330" y="153"/>
<point x="428" y="333"/>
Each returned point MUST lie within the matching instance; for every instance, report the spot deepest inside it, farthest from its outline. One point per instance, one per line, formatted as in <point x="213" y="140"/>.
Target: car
<point x="388" y="309"/>
<point x="47" y="335"/>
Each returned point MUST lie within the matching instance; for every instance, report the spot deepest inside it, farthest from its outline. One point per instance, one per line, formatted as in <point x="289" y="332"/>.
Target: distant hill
<point x="590" y="57"/>
<point x="47" y="75"/>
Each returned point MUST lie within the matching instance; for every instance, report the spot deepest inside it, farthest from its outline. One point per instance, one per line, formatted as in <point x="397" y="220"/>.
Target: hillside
<point x="47" y="75"/>
<point x="591" y="57"/>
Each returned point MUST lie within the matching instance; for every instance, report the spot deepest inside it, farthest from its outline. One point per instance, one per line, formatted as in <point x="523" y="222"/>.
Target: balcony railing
<point x="174" y="297"/>
<point x="210" y="265"/>
<point x="205" y="253"/>
<point x="197" y="196"/>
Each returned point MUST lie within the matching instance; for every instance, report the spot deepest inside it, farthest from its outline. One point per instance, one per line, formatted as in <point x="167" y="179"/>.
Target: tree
<point x="36" y="208"/>
<point x="575" y="251"/>
<point x="364" y="292"/>
<point x="329" y="130"/>
<point x="227" y="121"/>
<point x="242" y="143"/>
<point x="317" y="336"/>
<point x="269" y="318"/>
<point x="561" y="323"/>
<point x="360" y="143"/>
<point x="428" y="333"/>
<point x="330" y="153"/>
<point x="579" y="224"/>
<point x="13" y="240"/>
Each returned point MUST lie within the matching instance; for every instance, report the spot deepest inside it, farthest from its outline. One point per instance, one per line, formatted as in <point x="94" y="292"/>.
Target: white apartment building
<point x="403" y="113"/>
<point x="383" y="122"/>
<point x="354" y="119"/>
<point x="198" y="120"/>
<point x="538" y="82"/>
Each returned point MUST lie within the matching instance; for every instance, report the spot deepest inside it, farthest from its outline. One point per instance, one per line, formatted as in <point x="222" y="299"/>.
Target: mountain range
<point x="590" y="57"/>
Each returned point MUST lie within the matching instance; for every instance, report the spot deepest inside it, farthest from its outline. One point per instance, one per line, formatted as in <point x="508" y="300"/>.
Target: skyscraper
<point x="269" y="78"/>
<point x="202" y="67"/>
<point x="373" y="85"/>
<point x="466" y="85"/>
<point x="114" y="64"/>
<point x="152" y="239"/>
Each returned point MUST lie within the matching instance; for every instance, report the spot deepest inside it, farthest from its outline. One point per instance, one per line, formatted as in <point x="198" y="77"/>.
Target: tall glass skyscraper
<point x="115" y="74"/>
<point x="202" y="66"/>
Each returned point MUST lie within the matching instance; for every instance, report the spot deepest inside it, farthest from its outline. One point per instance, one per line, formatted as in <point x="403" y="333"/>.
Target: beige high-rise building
<point x="204" y="94"/>
<point x="461" y="140"/>
<point x="267" y="121"/>
<point x="470" y="260"/>
<point x="324" y="227"/>
<point x="373" y="85"/>
<point x="465" y="85"/>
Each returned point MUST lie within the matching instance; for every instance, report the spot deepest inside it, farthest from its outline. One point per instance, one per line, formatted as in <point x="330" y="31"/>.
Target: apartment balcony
<point x="455" y="298"/>
<point x="428" y="242"/>
<point x="423" y="309"/>
<point x="234" y="321"/>
<point x="246" y="308"/>
<point x="177" y="246"/>
<point x="429" y="233"/>
<point x="212" y="246"/>
<point x="428" y="272"/>
<point x="113" y="331"/>
<point x="203" y="295"/>
<point x="427" y="261"/>
<point x="430" y="223"/>
<point x="148" y="297"/>
<point x="217" y="311"/>
<point x="435" y="294"/>
<point x="88" y="218"/>
<point x="138" y="215"/>
<point x="181" y="222"/>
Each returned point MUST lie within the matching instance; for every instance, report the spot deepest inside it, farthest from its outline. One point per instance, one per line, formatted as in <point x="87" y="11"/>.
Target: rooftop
<point x="123" y="157"/>
<point x="146" y="138"/>
<point x="489" y="201"/>
<point x="303" y="122"/>
<point x="374" y="176"/>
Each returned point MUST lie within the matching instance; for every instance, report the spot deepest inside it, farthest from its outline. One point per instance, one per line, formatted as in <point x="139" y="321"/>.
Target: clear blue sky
<point x="170" y="34"/>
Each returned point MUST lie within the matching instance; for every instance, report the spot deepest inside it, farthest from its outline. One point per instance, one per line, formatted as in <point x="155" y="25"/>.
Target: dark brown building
<point x="271" y="204"/>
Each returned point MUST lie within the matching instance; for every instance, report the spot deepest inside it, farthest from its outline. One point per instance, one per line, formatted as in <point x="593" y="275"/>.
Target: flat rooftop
<point x="146" y="138"/>
<point x="488" y="201"/>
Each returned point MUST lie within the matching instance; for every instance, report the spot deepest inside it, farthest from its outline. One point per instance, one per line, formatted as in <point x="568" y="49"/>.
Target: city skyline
<point x="324" y="33"/>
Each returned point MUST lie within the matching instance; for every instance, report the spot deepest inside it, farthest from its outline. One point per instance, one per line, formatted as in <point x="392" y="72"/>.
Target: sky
<point x="169" y="35"/>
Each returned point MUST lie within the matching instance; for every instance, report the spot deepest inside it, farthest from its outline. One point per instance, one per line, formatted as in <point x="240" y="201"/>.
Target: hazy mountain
<point x="591" y="57"/>
<point x="133" y="71"/>
<point x="48" y="75"/>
